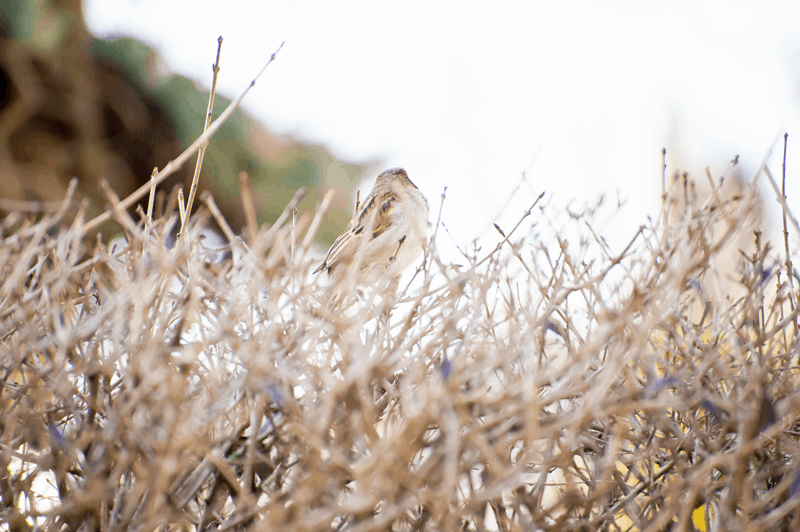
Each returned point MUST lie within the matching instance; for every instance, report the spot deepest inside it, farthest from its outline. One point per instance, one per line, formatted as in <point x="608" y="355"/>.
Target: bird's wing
<point x="375" y="212"/>
<point x="382" y="219"/>
<point x="344" y="246"/>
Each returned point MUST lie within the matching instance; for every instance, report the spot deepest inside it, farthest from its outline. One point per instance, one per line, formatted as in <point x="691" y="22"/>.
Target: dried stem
<point x="202" y="152"/>
<point x="152" y="199"/>
<point x="176" y="163"/>
<point x="788" y="261"/>
<point x="249" y="206"/>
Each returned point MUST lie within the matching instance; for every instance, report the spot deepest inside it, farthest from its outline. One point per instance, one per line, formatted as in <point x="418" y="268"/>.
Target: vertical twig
<point x="176" y="163"/>
<point x="294" y="224"/>
<point x="208" y="198"/>
<point x="201" y="154"/>
<point x="786" y="233"/>
<point x="664" y="185"/>
<point x="663" y="175"/>
<point x="246" y="192"/>
<point x="152" y="194"/>
<point x="151" y="200"/>
<point x="181" y="206"/>
<point x="778" y="293"/>
<point x="315" y="223"/>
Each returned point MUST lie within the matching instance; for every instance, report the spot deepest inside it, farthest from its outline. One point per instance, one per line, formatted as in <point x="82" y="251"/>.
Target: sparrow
<point x="388" y="232"/>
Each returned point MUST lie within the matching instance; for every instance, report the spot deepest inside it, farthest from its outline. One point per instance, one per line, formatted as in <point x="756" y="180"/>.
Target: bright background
<point x="581" y="96"/>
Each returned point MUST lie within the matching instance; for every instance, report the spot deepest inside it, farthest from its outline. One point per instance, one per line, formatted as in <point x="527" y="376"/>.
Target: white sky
<point x="583" y="95"/>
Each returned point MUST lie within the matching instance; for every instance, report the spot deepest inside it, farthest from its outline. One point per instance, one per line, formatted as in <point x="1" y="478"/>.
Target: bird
<point x="387" y="233"/>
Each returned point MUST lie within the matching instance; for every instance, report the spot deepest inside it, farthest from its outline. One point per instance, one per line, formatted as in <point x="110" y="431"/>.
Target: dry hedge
<point x="542" y="385"/>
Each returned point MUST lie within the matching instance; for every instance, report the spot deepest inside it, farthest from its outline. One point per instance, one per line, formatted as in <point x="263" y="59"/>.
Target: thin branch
<point x="202" y="152"/>
<point x="248" y="204"/>
<point x="789" y="268"/>
<point x="176" y="163"/>
<point x="152" y="194"/>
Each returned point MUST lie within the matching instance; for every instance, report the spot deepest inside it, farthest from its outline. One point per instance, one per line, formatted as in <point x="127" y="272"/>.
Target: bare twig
<point x="152" y="194"/>
<point x="788" y="262"/>
<point x="176" y="163"/>
<point x="294" y="224"/>
<point x="587" y="389"/>
<point x="322" y="210"/>
<point x="181" y="206"/>
<point x="248" y="204"/>
<point x="208" y="199"/>
<point x="202" y="152"/>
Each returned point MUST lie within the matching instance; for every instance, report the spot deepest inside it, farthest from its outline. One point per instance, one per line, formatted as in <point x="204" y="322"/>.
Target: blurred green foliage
<point x="275" y="180"/>
<point x="277" y="166"/>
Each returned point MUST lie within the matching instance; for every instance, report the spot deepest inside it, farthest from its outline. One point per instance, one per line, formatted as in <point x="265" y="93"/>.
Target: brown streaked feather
<point x="340" y="244"/>
<point x="347" y="244"/>
<point x="382" y="221"/>
<point x="383" y="214"/>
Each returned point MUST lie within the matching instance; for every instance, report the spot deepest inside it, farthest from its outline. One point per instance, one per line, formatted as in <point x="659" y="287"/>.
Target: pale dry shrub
<point x="544" y="384"/>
